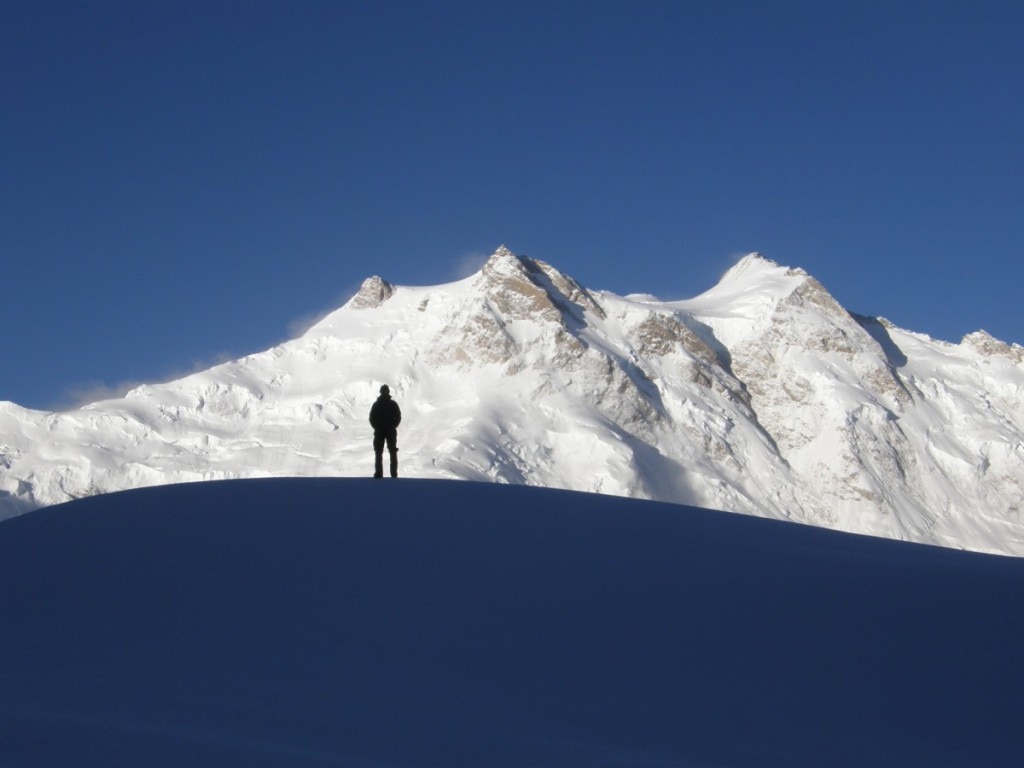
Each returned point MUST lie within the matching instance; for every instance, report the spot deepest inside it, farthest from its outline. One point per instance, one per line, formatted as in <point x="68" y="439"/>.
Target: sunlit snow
<point x="762" y="396"/>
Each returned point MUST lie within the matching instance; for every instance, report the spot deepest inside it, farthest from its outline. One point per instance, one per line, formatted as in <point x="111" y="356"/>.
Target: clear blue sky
<point x="184" y="181"/>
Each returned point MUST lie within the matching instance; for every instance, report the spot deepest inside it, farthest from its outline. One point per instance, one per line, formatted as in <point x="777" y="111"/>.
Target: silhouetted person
<point x="385" y="416"/>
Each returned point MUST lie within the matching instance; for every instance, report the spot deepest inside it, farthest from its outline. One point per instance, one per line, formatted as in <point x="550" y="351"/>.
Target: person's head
<point x="385" y="390"/>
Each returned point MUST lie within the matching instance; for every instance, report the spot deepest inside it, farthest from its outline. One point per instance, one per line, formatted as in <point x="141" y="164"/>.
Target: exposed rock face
<point x="763" y="396"/>
<point x="526" y="289"/>
<point x="373" y="292"/>
<point x="987" y="345"/>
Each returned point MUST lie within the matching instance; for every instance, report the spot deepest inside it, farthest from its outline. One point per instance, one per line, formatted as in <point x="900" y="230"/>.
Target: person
<point x="385" y="416"/>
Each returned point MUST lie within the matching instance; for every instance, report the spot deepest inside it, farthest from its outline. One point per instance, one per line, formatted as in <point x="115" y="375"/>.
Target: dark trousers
<point x="379" y="438"/>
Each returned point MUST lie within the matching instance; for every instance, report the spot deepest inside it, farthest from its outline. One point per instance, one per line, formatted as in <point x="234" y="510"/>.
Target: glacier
<point x="762" y="396"/>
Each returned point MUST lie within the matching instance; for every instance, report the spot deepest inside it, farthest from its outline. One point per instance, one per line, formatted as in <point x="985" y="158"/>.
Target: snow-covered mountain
<point x="762" y="395"/>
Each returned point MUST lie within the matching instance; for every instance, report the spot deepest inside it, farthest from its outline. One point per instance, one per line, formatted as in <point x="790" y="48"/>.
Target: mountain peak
<point x="532" y="289"/>
<point x="754" y="266"/>
<point x="986" y="344"/>
<point x="751" y="288"/>
<point x="372" y="293"/>
<point x="504" y="263"/>
<point x="504" y="252"/>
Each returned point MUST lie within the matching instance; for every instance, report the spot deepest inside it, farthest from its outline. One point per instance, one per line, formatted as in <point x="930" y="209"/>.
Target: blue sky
<point x="187" y="181"/>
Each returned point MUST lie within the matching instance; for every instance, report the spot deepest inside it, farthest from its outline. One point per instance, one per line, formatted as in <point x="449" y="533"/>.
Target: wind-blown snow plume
<point x="762" y="395"/>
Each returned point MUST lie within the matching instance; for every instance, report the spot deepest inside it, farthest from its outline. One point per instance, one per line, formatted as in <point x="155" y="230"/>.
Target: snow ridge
<point x="762" y="395"/>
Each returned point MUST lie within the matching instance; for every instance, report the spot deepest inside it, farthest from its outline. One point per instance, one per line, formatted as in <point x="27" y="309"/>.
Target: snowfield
<point x="762" y="396"/>
<point x="413" y="623"/>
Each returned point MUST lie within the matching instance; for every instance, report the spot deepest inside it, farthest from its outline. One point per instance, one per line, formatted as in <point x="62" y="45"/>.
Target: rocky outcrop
<point x="373" y="292"/>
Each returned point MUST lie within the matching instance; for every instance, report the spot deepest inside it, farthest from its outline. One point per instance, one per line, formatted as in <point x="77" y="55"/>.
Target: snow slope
<point x="318" y="622"/>
<point x="762" y="396"/>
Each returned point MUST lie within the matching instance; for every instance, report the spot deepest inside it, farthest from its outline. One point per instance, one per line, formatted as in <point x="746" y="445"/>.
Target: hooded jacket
<point x="385" y="415"/>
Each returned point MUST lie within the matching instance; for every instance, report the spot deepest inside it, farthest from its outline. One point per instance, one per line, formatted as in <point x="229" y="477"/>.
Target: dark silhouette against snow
<point x="385" y="416"/>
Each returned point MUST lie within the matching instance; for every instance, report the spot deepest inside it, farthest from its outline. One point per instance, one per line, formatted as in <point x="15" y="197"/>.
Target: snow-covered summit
<point x="762" y="395"/>
<point x="372" y="293"/>
<point x="754" y="266"/>
<point x="988" y="345"/>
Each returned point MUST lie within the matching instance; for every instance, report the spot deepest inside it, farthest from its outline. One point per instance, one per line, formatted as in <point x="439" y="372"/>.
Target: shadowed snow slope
<point x="294" y="622"/>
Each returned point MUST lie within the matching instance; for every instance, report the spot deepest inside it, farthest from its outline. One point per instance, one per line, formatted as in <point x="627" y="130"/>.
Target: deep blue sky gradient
<point x="187" y="181"/>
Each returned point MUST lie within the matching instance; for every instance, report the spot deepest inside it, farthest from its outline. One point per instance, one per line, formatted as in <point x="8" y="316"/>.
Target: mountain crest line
<point x="762" y="395"/>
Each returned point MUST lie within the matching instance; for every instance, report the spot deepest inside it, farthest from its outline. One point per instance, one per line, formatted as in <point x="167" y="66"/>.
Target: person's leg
<point x="378" y="455"/>
<point x="393" y="450"/>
